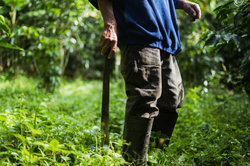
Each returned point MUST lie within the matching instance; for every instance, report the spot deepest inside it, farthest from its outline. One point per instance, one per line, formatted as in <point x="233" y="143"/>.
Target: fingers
<point x="193" y="10"/>
<point x="108" y="41"/>
<point x="111" y="53"/>
<point x="197" y="9"/>
<point x="107" y="51"/>
<point x="192" y="13"/>
<point x="106" y="47"/>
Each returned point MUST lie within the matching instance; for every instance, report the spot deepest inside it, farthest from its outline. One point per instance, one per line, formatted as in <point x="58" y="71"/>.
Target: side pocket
<point x="127" y="61"/>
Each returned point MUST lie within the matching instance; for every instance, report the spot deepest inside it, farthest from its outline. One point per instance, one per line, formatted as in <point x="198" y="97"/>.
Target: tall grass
<point x="64" y="128"/>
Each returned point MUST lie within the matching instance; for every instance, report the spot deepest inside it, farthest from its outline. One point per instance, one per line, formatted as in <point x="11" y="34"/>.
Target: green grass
<point x="64" y="128"/>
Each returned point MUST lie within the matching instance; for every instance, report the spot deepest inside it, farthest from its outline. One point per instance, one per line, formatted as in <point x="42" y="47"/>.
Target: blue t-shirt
<point x="147" y="22"/>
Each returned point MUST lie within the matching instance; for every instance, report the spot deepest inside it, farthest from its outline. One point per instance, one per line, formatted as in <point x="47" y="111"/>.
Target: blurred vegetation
<point x="216" y="48"/>
<point x="201" y="60"/>
<point x="230" y="41"/>
<point x="58" y="37"/>
<point x="61" y="39"/>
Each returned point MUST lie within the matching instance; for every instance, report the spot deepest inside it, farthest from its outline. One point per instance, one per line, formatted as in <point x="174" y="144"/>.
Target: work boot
<point x="136" y="137"/>
<point x="165" y="123"/>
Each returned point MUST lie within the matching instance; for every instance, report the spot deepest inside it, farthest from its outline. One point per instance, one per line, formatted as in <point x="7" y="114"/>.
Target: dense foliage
<point x="53" y="39"/>
<point x="195" y="62"/>
<point x="5" y="28"/>
<point x="216" y="48"/>
<point x="64" y="128"/>
<point x="50" y="32"/>
<point x="231" y="42"/>
<point x="61" y="38"/>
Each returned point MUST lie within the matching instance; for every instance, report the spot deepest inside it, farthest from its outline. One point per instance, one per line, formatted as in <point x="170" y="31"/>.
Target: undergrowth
<point x="64" y="128"/>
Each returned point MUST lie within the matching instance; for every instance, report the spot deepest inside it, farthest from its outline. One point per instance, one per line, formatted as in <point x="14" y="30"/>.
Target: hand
<point x="192" y="9"/>
<point x="109" y="39"/>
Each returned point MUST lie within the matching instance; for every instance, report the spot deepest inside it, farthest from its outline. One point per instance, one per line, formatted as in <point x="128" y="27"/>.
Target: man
<point x="146" y="32"/>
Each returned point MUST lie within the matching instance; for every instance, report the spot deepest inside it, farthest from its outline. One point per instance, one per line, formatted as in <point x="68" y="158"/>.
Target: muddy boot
<point x="164" y="123"/>
<point x="136" y="136"/>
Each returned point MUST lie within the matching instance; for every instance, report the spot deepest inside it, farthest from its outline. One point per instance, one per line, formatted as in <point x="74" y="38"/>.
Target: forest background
<point x="53" y="44"/>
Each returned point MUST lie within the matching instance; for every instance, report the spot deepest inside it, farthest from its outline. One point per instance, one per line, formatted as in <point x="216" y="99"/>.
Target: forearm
<point x="108" y="39"/>
<point x="179" y="4"/>
<point x="106" y="8"/>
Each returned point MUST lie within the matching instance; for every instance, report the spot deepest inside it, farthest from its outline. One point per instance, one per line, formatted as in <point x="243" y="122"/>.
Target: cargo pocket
<point x="127" y="61"/>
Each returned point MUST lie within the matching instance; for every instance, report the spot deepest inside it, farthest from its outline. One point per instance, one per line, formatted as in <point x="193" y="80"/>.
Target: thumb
<point x="192" y="13"/>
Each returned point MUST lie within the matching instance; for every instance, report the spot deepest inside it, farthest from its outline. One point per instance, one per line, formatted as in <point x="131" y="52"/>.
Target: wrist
<point x="110" y="24"/>
<point x="179" y="4"/>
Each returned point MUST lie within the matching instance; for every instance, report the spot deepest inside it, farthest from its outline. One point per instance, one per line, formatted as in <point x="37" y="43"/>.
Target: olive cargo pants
<point x="153" y="85"/>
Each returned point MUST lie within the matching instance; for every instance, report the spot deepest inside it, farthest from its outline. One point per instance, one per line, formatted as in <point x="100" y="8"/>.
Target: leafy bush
<point x="53" y="33"/>
<point x="230" y="41"/>
<point x="5" y="28"/>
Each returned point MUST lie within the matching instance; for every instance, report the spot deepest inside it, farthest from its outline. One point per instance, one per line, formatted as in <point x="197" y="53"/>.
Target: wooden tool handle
<point x="105" y="102"/>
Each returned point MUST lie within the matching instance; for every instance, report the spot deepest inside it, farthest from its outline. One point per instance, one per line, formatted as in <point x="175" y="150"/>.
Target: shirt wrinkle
<point x="148" y="23"/>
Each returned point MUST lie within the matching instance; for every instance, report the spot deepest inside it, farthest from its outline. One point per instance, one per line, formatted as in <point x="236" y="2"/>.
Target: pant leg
<point x="141" y="70"/>
<point x="171" y="97"/>
<point x="172" y="87"/>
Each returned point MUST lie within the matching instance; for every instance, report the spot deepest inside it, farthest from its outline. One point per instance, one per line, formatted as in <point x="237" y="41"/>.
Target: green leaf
<point x="11" y="46"/>
<point x="14" y="3"/>
<point x="236" y="40"/>
<point x="54" y="145"/>
<point x="227" y="37"/>
<point x="2" y="18"/>
<point x="35" y="131"/>
<point x="56" y="11"/>
<point x="3" y="118"/>
<point x="205" y="36"/>
<point x="246" y="58"/>
<point x="46" y="146"/>
<point x="213" y="40"/>
<point x="22" y="138"/>
<point x="237" y="18"/>
<point x="152" y="160"/>
<point x="36" y="13"/>
<point x="226" y="4"/>
<point x="238" y="2"/>
<point x="5" y="27"/>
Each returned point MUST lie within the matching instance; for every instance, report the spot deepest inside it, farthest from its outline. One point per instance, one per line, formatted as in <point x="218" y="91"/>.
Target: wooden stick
<point x="105" y="102"/>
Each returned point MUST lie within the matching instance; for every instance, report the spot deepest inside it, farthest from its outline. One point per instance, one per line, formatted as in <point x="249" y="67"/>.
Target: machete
<point x="105" y="102"/>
